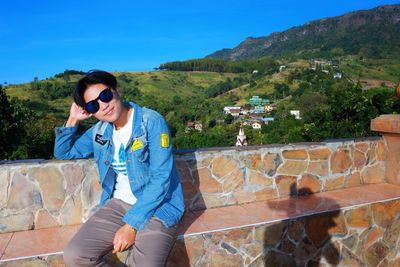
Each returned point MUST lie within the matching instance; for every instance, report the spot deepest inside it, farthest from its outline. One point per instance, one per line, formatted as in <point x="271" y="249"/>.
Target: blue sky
<point x="43" y="38"/>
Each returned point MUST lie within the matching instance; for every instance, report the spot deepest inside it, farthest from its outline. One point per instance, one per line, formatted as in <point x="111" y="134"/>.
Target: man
<point x="141" y="201"/>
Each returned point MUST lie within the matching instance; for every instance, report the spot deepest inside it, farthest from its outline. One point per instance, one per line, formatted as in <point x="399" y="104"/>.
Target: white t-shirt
<point x="120" y="139"/>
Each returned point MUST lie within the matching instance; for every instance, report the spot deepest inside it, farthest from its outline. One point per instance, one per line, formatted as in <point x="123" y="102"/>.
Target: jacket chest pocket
<point x="140" y="149"/>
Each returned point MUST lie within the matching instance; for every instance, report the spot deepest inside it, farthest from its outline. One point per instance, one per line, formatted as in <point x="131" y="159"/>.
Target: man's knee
<point x="75" y="256"/>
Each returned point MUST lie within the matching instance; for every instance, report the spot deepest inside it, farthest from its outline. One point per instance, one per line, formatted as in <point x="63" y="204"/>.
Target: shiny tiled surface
<point x="43" y="241"/>
<point x="38" y="242"/>
<point x="4" y="240"/>
<point x="192" y="223"/>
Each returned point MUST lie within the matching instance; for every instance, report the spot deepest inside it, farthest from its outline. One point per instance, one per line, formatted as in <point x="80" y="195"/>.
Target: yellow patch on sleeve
<point x="137" y="144"/>
<point x="164" y="137"/>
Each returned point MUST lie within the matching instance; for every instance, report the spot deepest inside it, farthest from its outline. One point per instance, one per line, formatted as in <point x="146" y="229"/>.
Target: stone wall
<point x="43" y="194"/>
<point x="366" y="235"/>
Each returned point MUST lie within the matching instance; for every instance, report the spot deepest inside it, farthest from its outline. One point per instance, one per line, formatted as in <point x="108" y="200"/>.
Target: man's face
<point x="110" y="111"/>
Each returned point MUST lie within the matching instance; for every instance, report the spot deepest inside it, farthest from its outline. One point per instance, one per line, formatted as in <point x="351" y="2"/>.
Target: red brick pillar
<point x="389" y="127"/>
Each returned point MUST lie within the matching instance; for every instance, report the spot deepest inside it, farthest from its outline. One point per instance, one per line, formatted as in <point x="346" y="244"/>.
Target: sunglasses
<point x="105" y="96"/>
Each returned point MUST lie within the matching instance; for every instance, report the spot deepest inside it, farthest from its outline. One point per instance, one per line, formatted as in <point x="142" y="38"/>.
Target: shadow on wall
<point x="195" y="206"/>
<point x="305" y="241"/>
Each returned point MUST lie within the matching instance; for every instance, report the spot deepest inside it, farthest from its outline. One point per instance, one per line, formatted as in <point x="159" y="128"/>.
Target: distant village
<point x="258" y="110"/>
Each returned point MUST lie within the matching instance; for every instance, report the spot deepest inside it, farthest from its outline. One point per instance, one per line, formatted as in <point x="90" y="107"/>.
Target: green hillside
<point x="371" y="33"/>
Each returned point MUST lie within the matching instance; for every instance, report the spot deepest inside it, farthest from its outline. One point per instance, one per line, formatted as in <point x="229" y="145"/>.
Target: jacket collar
<point x="137" y="122"/>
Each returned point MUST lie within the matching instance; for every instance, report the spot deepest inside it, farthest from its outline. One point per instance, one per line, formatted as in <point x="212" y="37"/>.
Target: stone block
<point x="299" y="154"/>
<point x="380" y="151"/>
<point x="319" y="168"/>
<point x="244" y="197"/>
<point x="91" y="190"/>
<point x="253" y="161"/>
<point x="359" y="159"/>
<point x="71" y="212"/>
<point x="271" y="163"/>
<point x="319" y="154"/>
<point x="233" y="181"/>
<point x="266" y="194"/>
<point x="373" y="174"/>
<point x="359" y="217"/>
<point x="221" y="257"/>
<point x="320" y="228"/>
<point x="334" y="183"/>
<point x="24" y="194"/>
<point x="363" y="147"/>
<point x="392" y="234"/>
<point x="4" y="180"/>
<point x="16" y="222"/>
<point x="310" y="183"/>
<point x="350" y="259"/>
<point x="286" y="185"/>
<point x="235" y="237"/>
<point x="371" y="236"/>
<point x="254" y="250"/>
<point x="331" y="252"/>
<point x="213" y="200"/>
<point x="376" y="253"/>
<point x="340" y="161"/>
<point x="384" y="213"/>
<point x="223" y="165"/>
<point x="353" y="179"/>
<point x="206" y="182"/>
<point x="305" y="250"/>
<point x="296" y="229"/>
<point x="293" y="167"/>
<point x="51" y="183"/>
<point x="270" y="234"/>
<point x="43" y="219"/>
<point x="257" y="178"/>
<point x="73" y="175"/>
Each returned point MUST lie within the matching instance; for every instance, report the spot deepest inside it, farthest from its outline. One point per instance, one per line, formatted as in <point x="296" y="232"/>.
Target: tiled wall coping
<point x="38" y="194"/>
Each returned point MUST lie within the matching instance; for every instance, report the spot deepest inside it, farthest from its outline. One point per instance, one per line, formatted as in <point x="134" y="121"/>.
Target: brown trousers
<point x="94" y="239"/>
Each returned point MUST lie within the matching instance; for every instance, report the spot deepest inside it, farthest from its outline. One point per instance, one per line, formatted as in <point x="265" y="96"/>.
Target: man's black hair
<point x="92" y="77"/>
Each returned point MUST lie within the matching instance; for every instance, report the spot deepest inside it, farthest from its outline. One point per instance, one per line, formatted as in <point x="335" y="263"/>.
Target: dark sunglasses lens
<point x="92" y="106"/>
<point x="106" y="95"/>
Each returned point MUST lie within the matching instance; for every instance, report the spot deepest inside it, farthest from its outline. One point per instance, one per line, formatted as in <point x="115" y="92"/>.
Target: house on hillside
<point x="269" y="108"/>
<point x="198" y="126"/>
<point x="256" y="125"/>
<point x="191" y="126"/>
<point x="337" y="75"/>
<point x="258" y="101"/>
<point x="296" y="114"/>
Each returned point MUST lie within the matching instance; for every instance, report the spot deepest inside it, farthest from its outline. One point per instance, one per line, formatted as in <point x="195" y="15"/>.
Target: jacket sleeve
<point x="69" y="145"/>
<point x="160" y="166"/>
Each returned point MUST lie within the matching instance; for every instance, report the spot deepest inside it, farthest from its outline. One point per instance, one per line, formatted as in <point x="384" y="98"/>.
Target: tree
<point x="229" y="119"/>
<point x="12" y="119"/>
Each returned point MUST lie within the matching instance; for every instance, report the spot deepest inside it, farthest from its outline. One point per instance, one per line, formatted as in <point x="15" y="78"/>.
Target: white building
<point x="337" y="75"/>
<point x="256" y="125"/>
<point x="296" y="114"/>
<point x="228" y="110"/>
<point x="241" y="138"/>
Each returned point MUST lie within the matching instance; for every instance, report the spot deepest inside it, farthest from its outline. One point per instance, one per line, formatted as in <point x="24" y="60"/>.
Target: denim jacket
<point x="151" y="170"/>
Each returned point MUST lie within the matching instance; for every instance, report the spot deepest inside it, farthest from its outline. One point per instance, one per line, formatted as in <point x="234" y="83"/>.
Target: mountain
<point x="371" y="33"/>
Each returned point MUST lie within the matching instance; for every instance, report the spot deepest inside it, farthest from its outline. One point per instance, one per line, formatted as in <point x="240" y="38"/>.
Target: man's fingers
<point x="117" y="247"/>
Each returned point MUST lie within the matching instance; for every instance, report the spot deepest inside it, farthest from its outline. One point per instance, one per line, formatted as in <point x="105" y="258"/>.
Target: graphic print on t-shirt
<point x="119" y="165"/>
